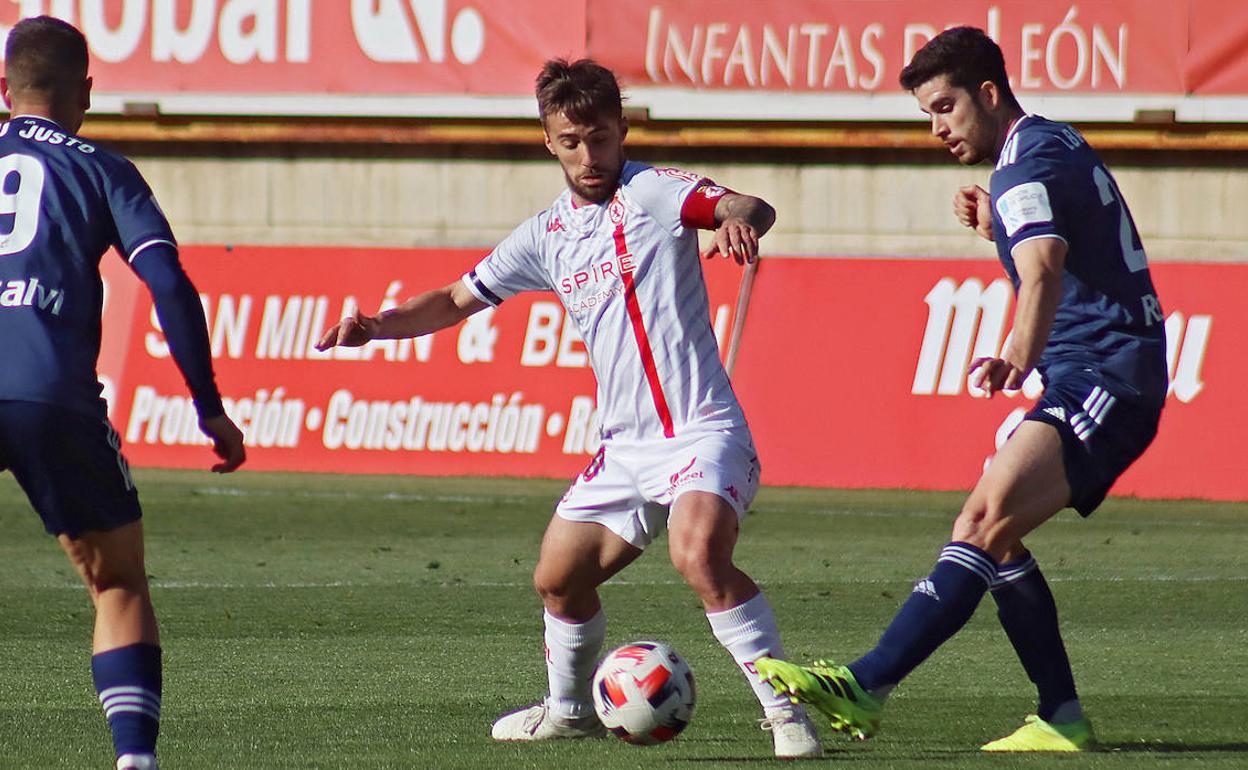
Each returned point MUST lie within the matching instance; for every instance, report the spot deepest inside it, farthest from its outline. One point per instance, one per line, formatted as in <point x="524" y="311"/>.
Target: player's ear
<point x="86" y="94"/>
<point x="4" y="93"/>
<point x="623" y="127"/>
<point x="989" y="95"/>
<point x="550" y="145"/>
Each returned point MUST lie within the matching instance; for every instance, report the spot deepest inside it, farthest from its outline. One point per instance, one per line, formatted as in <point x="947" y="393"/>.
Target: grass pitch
<point x="381" y="622"/>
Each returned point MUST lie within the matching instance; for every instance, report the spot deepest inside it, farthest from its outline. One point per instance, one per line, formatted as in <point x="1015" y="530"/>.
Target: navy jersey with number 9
<point x="1049" y="183"/>
<point x="63" y="204"/>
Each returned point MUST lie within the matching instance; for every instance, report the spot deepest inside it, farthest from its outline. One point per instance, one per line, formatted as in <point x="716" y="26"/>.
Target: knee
<point x="122" y="578"/>
<point x="983" y="524"/>
<point x="557" y="591"/>
<point x="100" y="575"/>
<point x="548" y="585"/>
<point x="702" y="566"/>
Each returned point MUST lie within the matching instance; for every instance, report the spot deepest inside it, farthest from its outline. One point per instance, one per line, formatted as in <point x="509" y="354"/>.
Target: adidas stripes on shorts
<point x="1102" y="434"/>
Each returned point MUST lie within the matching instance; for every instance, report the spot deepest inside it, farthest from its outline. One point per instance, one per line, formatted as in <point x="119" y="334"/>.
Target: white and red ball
<point x="644" y="693"/>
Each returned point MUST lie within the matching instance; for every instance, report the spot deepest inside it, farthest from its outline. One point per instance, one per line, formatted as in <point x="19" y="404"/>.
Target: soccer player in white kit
<point x="620" y="249"/>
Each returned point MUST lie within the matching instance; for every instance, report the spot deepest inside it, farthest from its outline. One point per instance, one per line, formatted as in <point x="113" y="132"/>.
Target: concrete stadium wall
<point x="1189" y="205"/>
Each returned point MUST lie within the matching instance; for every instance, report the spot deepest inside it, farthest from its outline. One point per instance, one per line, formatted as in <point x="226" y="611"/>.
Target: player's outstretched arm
<point x="741" y="220"/>
<point x="182" y="319"/>
<point x="972" y="205"/>
<point x="1039" y="262"/>
<point x="423" y="314"/>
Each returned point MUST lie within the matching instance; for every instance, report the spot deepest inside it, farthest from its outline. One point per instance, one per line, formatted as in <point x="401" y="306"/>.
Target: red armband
<point x="698" y="210"/>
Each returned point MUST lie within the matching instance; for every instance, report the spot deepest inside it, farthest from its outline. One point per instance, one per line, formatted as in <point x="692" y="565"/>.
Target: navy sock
<point x="939" y="605"/>
<point x="1028" y="614"/>
<point x="128" y="682"/>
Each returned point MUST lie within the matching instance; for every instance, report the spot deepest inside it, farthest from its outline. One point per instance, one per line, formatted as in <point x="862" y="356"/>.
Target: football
<point x="644" y="693"/>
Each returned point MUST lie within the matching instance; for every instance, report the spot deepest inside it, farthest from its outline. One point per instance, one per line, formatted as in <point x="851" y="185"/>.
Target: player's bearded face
<point x="968" y="128"/>
<point x="591" y="154"/>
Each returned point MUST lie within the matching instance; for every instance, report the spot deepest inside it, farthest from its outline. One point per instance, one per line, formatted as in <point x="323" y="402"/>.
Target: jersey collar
<point x="36" y="117"/>
<point x="1017" y="125"/>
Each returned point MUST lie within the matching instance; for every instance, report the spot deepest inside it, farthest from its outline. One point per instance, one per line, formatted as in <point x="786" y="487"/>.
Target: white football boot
<point x="792" y="733"/>
<point x="537" y="723"/>
<point x="137" y="762"/>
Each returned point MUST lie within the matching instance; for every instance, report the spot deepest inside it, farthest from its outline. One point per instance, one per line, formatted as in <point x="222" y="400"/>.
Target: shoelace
<point x="778" y="721"/>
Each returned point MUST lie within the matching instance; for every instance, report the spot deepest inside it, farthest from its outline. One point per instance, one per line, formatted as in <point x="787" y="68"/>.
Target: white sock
<point x="571" y="652"/>
<point x="748" y="631"/>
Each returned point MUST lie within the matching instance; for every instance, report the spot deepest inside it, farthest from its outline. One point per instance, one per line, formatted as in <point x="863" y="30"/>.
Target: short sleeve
<point x="513" y="266"/>
<point x="1028" y="199"/>
<point x="139" y="220"/>
<point x="663" y="192"/>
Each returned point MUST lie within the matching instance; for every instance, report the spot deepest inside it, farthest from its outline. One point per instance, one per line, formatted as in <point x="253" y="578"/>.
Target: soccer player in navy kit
<point x="63" y="203"/>
<point x="1088" y="320"/>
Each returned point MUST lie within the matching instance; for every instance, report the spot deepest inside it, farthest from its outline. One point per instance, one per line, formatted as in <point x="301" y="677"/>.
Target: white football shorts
<point x="629" y="488"/>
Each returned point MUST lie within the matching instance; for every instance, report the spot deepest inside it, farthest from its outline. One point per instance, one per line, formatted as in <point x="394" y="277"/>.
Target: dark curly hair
<point x="965" y="55"/>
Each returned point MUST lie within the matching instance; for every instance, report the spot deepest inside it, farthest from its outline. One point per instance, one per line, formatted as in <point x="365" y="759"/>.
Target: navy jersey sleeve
<point x="1028" y="193"/>
<point x="182" y="319"/>
<point x="138" y="219"/>
<point x="142" y="230"/>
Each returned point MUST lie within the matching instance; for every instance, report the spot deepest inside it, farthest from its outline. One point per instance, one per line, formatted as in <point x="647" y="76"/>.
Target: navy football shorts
<point x="1101" y="433"/>
<point x="70" y="466"/>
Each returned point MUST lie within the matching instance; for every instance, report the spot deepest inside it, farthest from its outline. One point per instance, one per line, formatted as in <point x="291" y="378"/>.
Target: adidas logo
<point x="926" y="588"/>
<point x="1057" y="412"/>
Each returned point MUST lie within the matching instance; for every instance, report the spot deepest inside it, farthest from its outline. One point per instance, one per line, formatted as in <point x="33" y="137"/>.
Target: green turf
<point x="378" y="622"/>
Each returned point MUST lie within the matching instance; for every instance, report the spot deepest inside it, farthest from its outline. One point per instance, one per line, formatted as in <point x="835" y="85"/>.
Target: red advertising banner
<point x="853" y="373"/>
<point x="509" y="392"/>
<point x="177" y="51"/>
<point x="860" y="46"/>
<point x="298" y="46"/>
<point x="1218" y="60"/>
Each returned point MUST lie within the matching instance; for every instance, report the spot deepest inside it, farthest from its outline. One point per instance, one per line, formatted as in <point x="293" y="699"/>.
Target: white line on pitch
<point x="196" y="585"/>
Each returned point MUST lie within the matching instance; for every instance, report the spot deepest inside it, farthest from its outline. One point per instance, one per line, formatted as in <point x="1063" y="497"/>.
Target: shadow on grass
<point x="721" y="760"/>
<point x="1171" y="748"/>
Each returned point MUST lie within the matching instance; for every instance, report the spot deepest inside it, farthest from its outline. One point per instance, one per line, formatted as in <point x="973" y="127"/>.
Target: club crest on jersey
<point x="615" y="210"/>
<point x="30" y="293"/>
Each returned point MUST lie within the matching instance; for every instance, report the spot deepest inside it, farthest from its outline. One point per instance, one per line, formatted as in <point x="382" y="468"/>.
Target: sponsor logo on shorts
<point x="684" y="476"/>
<point x="677" y="474"/>
<point x="733" y="493"/>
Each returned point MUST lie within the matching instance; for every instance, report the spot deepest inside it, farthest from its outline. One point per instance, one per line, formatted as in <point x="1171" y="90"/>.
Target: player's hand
<point x="227" y="442"/>
<point x="972" y="205"/>
<point x="995" y="374"/>
<point x="735" y="238"/>
<point x="353" y="331"/>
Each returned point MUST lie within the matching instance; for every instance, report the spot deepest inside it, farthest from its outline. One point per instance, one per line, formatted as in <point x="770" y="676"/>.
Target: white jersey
<point x="629" y="273"/>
